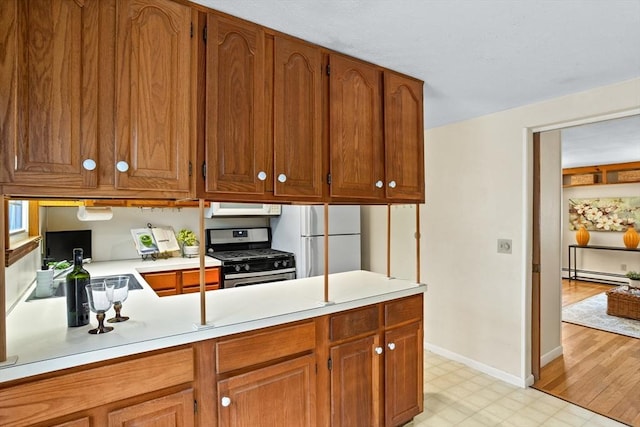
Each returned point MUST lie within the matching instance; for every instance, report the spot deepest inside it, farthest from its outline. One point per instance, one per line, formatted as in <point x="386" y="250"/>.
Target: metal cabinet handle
<point x="282" y="178"/>
<point x="89" y="164"/>
<point x="378" y="350"/>
<point x="122" y="166"/>
<point x="391" y="346"/>
<point x="379" y="184"/>
<point x="262" y="175"/>
<point x="392" y="184"/>
<point x="225" y="401"/>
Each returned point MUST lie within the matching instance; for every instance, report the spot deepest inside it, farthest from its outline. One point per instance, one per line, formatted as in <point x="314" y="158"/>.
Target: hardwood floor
<point x="599" y="370"/>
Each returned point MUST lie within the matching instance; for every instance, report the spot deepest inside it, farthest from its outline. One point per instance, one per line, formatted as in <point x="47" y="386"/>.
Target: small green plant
<point x="187" y="237"/>
<point x="633" y="275"/>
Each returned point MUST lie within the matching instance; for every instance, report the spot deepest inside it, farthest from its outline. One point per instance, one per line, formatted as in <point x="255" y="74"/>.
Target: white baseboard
<point x="548" y="357"/>
<point x="486" y="369"/>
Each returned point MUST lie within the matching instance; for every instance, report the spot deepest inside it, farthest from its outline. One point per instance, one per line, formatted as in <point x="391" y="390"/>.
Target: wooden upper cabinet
<point x="235" y="140"/>
<point x="404" y="137"/>
<point x="297" y="120"/>
<point x="48" y="92"/>
<point x="154" y="85"/>
<point x="356" y="142"/>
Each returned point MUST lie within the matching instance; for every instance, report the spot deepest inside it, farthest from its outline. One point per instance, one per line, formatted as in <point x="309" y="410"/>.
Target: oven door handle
<point x="259" y="273"/>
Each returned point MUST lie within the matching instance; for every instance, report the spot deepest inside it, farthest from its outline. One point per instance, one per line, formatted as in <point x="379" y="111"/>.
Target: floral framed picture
<point x="604" y="214"/>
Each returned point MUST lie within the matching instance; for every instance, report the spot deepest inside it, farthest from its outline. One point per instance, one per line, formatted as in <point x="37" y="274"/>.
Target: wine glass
<point x="98" y="303"/>
<point x="117" y="292"/>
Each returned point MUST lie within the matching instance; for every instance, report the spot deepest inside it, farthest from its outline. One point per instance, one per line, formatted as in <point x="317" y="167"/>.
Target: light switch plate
<point x="504" y="246"/>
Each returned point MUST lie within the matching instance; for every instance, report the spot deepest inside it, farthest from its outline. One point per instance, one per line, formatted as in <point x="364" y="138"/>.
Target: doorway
<point x="539" y="311"/>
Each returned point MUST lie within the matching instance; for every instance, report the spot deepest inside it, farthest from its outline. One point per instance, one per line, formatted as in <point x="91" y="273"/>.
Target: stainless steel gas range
<point x="247" y="257"/>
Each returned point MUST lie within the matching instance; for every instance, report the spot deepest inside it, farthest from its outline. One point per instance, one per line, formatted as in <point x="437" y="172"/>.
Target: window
<point x="18" y="217"/>
<point x="21" y="229"/>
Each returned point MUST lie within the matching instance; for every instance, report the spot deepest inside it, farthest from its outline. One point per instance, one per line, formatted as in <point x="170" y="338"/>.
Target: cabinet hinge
<point x="328" y="69"/>
<point x="195" y="406"/>
<point x="329" y="178"/>
<point x="190" y="168"/>
<point x="192" y="30"/>
<point x="204" y="34"/>
<point x="330" y="364"/>
<point x="204" y="169"/>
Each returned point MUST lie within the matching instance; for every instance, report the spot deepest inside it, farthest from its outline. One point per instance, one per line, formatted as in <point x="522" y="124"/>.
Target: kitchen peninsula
<point x="365" y="305"/>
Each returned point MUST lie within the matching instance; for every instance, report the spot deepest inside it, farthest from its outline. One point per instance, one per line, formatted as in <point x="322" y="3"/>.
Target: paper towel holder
<point x="94" y="213"/>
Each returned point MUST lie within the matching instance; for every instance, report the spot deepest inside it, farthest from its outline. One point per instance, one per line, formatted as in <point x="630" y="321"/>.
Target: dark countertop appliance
<point x="247" y="257"/>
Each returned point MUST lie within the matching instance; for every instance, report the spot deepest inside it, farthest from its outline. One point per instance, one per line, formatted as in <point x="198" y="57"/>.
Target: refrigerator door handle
<point x="308" y="227"/>
<point x="308" y="256"/>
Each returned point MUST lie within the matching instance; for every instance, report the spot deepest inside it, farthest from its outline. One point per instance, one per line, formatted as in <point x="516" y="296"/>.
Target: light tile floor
<point x="456" y="395"/>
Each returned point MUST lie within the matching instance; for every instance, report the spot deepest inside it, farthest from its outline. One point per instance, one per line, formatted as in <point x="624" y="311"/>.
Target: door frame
<point x="532" y="139"/>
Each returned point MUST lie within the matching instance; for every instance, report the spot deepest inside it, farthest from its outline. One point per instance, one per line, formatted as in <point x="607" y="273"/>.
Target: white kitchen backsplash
<point x="111" y="240"/>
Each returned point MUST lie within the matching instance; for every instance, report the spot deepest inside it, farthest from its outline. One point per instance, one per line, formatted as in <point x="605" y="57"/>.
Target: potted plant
<point x="634" y="279"/>
<point x="189" y="243"/>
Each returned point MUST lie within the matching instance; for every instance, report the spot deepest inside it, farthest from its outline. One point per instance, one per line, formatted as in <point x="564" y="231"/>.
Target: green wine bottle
<point x="77" y="300"/>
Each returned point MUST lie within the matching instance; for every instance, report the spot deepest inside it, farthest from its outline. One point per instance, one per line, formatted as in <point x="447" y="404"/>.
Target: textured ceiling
<point x="475" y="56"/>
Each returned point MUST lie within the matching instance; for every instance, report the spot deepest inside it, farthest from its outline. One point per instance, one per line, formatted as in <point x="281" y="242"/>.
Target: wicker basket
<point x="622" y="303"/>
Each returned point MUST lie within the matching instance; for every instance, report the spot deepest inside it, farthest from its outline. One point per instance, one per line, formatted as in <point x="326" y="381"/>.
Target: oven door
<point x="246" y="279"/>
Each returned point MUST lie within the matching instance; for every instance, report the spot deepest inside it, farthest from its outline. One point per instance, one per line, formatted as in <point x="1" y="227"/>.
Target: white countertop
<point x="38" y="335"/>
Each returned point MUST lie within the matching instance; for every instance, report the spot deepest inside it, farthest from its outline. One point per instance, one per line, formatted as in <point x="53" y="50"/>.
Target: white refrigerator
<point x="300" y="229"/>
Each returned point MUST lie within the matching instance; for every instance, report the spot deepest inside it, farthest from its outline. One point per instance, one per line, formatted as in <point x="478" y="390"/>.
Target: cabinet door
<point x="355" y="383"/>
<point x="279" y="395"/>
<point x="403" y="374"/>
<point x="81" y="422"/>
<point x="174" y="410"/>
<point x="153" y="95"/>
<point x="404" y="137"/>
<point x="297" y="120"/>
<point x="163" y="283"/>
<point x="48" y="92"/>
<point x="356" y="144"/>
<point x="235" y="133"/>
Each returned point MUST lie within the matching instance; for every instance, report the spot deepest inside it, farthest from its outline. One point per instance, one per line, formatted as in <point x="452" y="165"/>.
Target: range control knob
<point x="237" y="267"/>
<point x="276" y="264"/>
<point x="210" y="250"/>
<point x="285" y="263"/>
<point x="246" y="267"/>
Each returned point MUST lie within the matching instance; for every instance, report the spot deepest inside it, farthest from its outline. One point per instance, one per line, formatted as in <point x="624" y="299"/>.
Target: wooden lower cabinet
<point x="278" y="395"/>
<point x="174" y="282"/>
<point x="375" y="363"/>
<point x="81" y="422"/>
<point x="355" y="381"/>
<point x="361" y="367"/>
<point x="174" y="410"/>
<point x="403" y="397"/>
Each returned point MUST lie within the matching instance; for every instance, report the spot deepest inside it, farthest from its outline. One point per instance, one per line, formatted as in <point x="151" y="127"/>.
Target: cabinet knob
<point x="89" y="164"/>
<point x="122" y="166"/>
<point x="378" y="350"/>
<point x="392" y="184"/>
<point x="262" y="175"/>
<point x="379" y="184"/>
<point x="282" y="178"/>
<point x="391" y="346"/>
<point x="225" y="401"/>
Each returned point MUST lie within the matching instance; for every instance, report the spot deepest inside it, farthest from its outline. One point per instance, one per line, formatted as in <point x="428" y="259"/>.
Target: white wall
<point x="111" y="240"/>
<point x="19" y="276"/>
<point x="478" y="189"/>
<point x="596" y="260"/>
